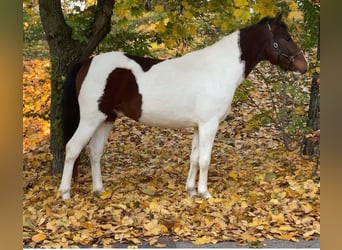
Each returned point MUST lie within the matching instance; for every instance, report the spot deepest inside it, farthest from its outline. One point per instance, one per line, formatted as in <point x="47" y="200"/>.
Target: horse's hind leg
<point x="96" y="146"/>
<point x="73" y="148"/>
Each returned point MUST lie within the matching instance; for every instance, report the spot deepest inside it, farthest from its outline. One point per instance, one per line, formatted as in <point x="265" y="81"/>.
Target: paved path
<point x="169" y="243"/>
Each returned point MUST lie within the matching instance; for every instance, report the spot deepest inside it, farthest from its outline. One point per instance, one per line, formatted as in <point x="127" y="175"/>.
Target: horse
<point x="191" y="91"/>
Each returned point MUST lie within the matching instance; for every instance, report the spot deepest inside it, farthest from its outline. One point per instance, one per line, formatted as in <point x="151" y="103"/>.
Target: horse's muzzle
<point x="300" y="64"/>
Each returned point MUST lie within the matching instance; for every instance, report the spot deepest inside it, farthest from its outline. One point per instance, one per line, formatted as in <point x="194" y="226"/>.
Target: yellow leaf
<point x="38" y="237"/>
<point x="136" y="241"/>
<point x="159" y="8"/>
<point x="107" y="242"/>
<point x="105" y="195"/>
<point x="241" y="3"/>
<point x="244" y="204"/>
<point x="188" y="15"/>
<point x="278" y="218"/>
<point x="152" y="241"/>
<point x="155" y="206"/>
<point x="299" y="111"/>
<point x="293" y="6"/>
<point x="186" y="5"/>
<point x="232" y="175"/>
<point x="78" y="214"/>
<point x="107" y="227"/>
<point x="307" y="208"/>
<point x="286" y="228"/>
<point x="127" y="221"/>
<point x="249" y="238"/>
<point x="274" y="201"/>
<point x="293" y="205"/>
<point x="202" y="240"/>
<point x="160" y="27"/>
<point x="288" y="236"/>
<point x="170" y="43"/>
<point x="296" y="15"/>
<point x="309" y="233"/>
<point x="154" y="228"/>
<point x="242" y="15"/>
<point x="317" y="227"/>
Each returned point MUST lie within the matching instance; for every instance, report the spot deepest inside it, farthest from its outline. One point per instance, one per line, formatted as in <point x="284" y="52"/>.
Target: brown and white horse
<point x="195" y="90"/>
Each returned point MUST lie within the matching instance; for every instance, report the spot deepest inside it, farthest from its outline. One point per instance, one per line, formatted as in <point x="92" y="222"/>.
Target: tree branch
<point x="57" y="29"/>
<point x="100" y="27"/>
<point x="53" y="20"/>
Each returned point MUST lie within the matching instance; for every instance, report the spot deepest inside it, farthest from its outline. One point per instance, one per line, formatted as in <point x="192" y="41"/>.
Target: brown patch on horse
<point x="252" y="44"/>
<point x="145" y="62"/>
<point x="121" y="95"/>
<point x="82" y="74"/>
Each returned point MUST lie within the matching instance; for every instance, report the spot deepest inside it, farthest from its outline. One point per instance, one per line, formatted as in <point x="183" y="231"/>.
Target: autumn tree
<point x="311" y="10"/>
<point x="65" y="50"/>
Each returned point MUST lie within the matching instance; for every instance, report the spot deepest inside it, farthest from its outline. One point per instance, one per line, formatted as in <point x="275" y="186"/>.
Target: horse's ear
<point x="278" y="17"/>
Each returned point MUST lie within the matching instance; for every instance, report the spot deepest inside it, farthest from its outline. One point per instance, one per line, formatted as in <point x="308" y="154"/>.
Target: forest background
<point x="263" y="185"/>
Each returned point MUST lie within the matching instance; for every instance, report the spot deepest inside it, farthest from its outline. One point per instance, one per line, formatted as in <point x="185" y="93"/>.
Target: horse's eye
<point x="288" y="39"/>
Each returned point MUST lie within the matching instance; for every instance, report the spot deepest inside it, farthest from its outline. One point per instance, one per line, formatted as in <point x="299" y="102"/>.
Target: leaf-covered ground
<point x="260" y="190"/>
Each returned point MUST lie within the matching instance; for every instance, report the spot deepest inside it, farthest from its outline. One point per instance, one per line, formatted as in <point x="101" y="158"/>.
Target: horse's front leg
<point x="191" y="180"/>
<point x="96" y="146"/>
<point x="207" y="134"/>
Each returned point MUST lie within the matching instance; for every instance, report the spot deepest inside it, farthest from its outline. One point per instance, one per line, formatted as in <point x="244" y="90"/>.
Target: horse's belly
<point x="163" y="115"/>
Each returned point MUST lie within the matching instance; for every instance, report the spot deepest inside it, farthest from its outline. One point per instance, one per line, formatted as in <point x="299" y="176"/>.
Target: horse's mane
<point x="268" y="19"/>
<point x="265" y="20"/>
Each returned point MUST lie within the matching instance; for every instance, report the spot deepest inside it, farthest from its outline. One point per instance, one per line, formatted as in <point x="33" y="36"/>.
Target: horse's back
<point x="180" y="92"/>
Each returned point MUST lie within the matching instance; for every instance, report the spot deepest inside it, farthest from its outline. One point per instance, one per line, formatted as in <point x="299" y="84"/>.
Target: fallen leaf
<point x="202" y="240"/>
<point x="38" y="237"/>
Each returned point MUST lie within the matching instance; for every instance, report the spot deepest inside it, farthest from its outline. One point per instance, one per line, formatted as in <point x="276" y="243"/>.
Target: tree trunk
<point x="64" y="52"/>
<point x="314" y="109"/>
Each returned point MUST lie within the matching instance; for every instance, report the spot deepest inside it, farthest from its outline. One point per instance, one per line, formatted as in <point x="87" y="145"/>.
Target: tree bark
<point x="314" y="109"/>
<point x="64" y="52"/>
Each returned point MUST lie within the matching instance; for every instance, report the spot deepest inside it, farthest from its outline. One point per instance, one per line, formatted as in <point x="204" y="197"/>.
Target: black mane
<point x="268" y="19"/>
<point x="265" y="20"/>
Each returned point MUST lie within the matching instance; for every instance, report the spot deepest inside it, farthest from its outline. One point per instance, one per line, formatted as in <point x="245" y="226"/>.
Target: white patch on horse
<point x="192" y="89"/>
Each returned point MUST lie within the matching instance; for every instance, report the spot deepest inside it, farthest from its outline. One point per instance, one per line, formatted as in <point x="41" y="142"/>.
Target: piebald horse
<point x="195" y="90"/>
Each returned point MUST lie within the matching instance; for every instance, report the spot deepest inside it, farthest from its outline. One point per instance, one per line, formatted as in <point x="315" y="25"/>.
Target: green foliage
<point x="35" y="45"/>
<point x="129" y="41"/>
<point x="290" y="98"/>
<point x="242" y="92"/>
<point x="80" y="22"/>
<point x="311" y="23"/>
<point x="259" y="120"/>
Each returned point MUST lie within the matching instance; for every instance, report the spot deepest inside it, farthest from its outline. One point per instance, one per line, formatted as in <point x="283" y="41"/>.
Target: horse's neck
<point x="253" y="41"/>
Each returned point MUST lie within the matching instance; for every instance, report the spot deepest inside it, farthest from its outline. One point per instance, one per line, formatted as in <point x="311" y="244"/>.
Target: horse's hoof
<point x="205" y="195"/>
<point x="191" y="191"/>
<point x="65" y="195"/>
<point x="98" y="192"/>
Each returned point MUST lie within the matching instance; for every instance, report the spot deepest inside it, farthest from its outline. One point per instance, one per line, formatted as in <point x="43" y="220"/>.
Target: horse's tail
<point x="70" y="109"/>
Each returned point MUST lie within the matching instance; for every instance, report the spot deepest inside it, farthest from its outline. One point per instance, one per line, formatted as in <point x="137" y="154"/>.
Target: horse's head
<point x="282" y="50"/>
